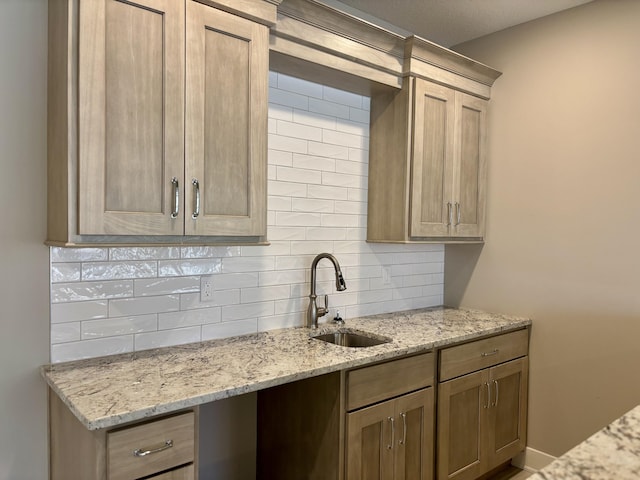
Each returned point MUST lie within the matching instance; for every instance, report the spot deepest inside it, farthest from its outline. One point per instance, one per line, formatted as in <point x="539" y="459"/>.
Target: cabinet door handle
<point x="176" y="197"/>
<point x="143" y="452"/>
<point x="449" y="213"/>
<point x="495" y="402"/>
<point x="196" y="210"/>
<point x="488" y="404"/>
<point x="404" y="428"/>
<point x="488" y="354"/>
<point x="393" y="432"/>
<point x="457" y="214"/>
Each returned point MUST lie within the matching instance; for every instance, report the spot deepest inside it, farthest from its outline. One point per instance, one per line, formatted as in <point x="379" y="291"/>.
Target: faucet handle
<point x="322" y="311"/>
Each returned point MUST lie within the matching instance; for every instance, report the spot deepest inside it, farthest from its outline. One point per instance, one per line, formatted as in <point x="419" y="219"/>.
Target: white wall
<point x="24" y="260"/>
<point x="563" y="219"/>
<point x="110" y="300"/>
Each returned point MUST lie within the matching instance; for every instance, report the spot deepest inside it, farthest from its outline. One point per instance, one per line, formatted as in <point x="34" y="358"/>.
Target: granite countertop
<point x="612" y="453"/>
<point x="108" y="391"/>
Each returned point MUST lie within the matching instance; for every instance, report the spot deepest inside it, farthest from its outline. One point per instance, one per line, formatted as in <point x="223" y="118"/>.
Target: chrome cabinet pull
<point x="457" y="214"/>
<point x="196" y="210"/>
<point x="488" y="354"/>
<point x="143" y="452"/>
<point x="495" y="403"/>
<point x="176" y="197"/>
<point x="404" y="428"/>
<point x="449" y="213"/>
<point x="393" y="432"/>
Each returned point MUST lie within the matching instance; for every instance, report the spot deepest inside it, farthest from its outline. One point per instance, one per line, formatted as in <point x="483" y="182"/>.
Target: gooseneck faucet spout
<point x="314" y="312"/>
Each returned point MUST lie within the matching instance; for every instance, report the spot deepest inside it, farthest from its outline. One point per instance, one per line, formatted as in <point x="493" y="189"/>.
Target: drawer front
<point x="369" y="385"/>
<point x="470" y="357"/>
<point x="153" y="437"/>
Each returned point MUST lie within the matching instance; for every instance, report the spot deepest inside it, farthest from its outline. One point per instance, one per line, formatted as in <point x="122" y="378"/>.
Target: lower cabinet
<point x="392" y="439"/>
<point x="482" y="415"/>
<point x="369" y="423"/>
<point x="159" y="449"/>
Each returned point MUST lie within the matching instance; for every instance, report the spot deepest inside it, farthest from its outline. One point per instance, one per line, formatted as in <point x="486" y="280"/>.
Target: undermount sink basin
<point x="351" y="339"/>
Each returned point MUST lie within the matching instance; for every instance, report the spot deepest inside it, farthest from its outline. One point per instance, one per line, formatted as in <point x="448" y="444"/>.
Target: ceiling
<point x="450" y="22"/>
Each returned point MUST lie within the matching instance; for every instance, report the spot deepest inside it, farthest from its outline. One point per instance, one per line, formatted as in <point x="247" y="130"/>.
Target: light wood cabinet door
<point x="482" y="420"/>
<point x="130" y="116"/>
<point x="460" y="426"/>
<point x="508" y="415"/>
<point x="226" y="122"/>
<point x="432" y="160"/>
<point x="414" y="447"/>
<point x="470" y="166"/>
<point x="392" y="439"/>
<point x="370" y="443"/>
<point x="448" y="169"/>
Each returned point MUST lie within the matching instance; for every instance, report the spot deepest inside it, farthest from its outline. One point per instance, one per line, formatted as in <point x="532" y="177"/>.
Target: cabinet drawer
<point x="456" y="361"/>
<point x="386" y="380"/>
<point x="123" y="464"/>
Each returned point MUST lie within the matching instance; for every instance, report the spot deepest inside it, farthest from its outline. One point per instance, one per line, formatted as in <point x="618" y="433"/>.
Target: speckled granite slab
<point x="108" y="391"/>
<point x="611" y="454"/>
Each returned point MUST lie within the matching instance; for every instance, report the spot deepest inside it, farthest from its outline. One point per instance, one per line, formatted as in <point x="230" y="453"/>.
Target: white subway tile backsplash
<point x="344" y="180"/>
<point x="143" y="253"/>
<point x="328" y="150"/>
<point x="59" y="254"/>
<point x="328" y="108"/>
<point x="279" y="157"/>
<point x="288" y="99"/>
<point x="247" y="310"/>
<point x="312" y="205"/>
<point x="118" y="270"/>
<point x="119" y="326"/>
<point x="299" y="219"/>
<point x="299" y="175"/>
<point x="121" y="299"/>
<point x="326" y="233"/>
<point x="311" y="162"/>
<point x="190" y="318"/>
<point x="290" y="189"/>
<point x="77" y="292"/>
<point x="342" y="97"/>
<point x="209" y="252"/>
<point x="297" y="130"/>
<point x="143" y="305"/>
<point x="174" y="268"/>
<point x="165" y="338"/>
<point x="280" y="321"/>
<point x="328" y="192"/>
<point x="287" y="233"/>
<point x="229" y="329"/>
<point x="63" y="352"/>
<point x="65" y="332"/>
<point x="288" y="144"/>
<point x="65" y="272"/>
<point x="345" y="139"/>
<point x="264" y="293"/>
<point x="68" y="312"/>
<point x="298" y="85"/>
<point x="162" y="286"/>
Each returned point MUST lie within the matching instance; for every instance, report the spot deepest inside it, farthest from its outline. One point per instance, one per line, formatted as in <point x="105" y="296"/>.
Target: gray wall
<point x="24" y="260"/>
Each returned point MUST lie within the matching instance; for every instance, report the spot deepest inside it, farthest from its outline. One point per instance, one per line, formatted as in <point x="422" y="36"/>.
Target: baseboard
<point x="532" y="460"/>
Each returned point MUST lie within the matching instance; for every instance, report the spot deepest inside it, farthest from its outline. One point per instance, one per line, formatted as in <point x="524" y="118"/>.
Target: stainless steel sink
<point x="351" y="339"/>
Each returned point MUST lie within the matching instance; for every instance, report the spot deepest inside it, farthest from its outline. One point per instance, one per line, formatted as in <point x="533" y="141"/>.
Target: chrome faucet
<point x="314" y="312"/>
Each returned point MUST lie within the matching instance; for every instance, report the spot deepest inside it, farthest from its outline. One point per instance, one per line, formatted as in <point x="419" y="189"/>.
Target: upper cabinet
<point x="427" y="165"/>
<point x="158" y="120"/>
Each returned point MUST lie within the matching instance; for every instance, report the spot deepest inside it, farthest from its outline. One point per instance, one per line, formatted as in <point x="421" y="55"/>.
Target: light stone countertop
<point x="108" y="391"/>
<point x="612" y="453"/>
